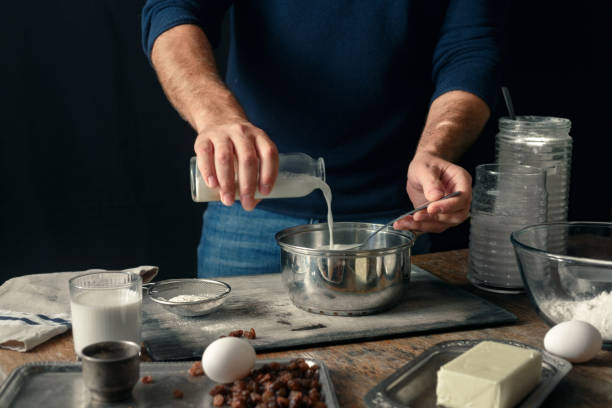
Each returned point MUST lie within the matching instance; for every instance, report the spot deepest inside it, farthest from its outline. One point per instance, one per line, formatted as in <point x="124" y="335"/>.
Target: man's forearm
<point x="185" y="65"/>
<point x="454" y="122"/>
<point x="228" y="147"/>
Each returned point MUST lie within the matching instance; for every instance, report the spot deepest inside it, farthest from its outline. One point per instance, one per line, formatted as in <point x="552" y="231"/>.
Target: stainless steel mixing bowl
<point x="344" y="282"/>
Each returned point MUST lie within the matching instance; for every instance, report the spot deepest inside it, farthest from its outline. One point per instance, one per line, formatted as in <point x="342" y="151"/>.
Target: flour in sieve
<point x="596" y="311"/>
<point x="187" y="298"/>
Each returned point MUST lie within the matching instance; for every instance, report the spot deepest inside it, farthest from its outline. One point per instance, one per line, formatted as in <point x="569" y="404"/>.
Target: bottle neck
<point x="301" y="163"/>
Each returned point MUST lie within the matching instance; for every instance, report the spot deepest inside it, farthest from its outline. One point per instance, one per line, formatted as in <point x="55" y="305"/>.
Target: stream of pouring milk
<point x="326" y="190"/>
<point x="299" y="185"/>
<point x="287" y="185"/>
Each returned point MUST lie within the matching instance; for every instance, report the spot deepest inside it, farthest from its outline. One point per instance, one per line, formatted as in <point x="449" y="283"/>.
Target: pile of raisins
<point x="274" y="385"/>
<point x="249" y="334"/>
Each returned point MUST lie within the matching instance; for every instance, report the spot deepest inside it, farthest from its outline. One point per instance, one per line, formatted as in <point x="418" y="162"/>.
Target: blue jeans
<point x="237" y="242"/>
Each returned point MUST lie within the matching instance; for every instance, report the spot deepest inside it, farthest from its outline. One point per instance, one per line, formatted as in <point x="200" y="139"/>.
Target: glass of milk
<point x="298" y="175"/>
<point x="105" y="306"/>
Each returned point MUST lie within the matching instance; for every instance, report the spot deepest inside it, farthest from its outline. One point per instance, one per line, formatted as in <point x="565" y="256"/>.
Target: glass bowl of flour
<point x="567" y="271"/>
<point x="189" y="297"/>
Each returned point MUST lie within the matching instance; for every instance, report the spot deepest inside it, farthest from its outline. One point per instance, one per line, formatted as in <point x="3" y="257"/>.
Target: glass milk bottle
<point x="544" y="142"/>
<point x="298" y="175"/>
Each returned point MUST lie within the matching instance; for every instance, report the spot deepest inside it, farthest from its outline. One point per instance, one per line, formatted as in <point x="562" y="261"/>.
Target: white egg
<point x="228" y="359"/>
<point x="574" y="340"/>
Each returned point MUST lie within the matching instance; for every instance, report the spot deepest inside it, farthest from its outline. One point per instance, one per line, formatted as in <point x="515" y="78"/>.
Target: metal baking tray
<point x="59" y="384"/>
<point x="414" y="385"/>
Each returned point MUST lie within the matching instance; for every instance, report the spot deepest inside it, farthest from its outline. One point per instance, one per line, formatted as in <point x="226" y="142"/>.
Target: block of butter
<point x="489" y="375"/>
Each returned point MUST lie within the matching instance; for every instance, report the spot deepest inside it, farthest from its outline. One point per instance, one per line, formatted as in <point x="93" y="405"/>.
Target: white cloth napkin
<point x="35" y="308"/>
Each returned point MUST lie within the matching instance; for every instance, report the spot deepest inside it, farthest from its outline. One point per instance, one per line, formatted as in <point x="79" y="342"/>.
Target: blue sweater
<point x="349" y="81"/>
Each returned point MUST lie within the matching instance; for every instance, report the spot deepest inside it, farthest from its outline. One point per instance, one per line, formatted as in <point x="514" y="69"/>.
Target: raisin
<point x="218" y="400"/>
<point x="285" y="376"/>
<point x="250" y="334"/>
<point x="255" y="397"/>
<point x="236" y="333"/>
<point x="305" y="383"/>
<point x="252" y="385"/>
<point x="282" y="402"/>
<point x="178" y="394"/>
<point x="276" y="385"/>
<point x="266" y="377"/>
<point x="294" y="384"/>
<point x="218" y="390"/>
<point x="267" y="396"/>
<point x="296" y="395"/>
<point x="314" y="394"/>
<point x="196" y="369"/>
<point x="239" y="385"/>
<point x="239" y="403"/>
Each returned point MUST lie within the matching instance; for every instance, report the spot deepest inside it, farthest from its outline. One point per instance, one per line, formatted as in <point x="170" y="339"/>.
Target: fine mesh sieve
<point x="200" y="296"/>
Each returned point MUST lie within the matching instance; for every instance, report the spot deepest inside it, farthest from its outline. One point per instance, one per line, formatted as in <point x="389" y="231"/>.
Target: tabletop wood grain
<point x="357" y="367"/>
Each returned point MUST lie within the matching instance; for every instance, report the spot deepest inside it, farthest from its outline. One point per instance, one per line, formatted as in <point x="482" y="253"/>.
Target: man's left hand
<point x="430" y="178"/>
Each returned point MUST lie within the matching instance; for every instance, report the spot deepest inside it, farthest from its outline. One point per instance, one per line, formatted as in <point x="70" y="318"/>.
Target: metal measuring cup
<point x="111" y="369"/>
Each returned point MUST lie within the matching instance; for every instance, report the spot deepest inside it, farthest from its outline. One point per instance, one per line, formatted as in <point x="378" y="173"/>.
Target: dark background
<point x="93" y="159"/>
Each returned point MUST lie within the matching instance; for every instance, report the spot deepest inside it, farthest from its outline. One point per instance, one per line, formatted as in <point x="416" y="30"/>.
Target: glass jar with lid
<point x="540" y="141"/>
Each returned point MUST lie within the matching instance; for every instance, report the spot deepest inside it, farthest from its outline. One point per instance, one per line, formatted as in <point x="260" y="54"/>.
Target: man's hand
<point x="454" y="121"/>
<point x="236" y="149"/>
<point x="228" y="146"/>
<point x="430" y="178"/>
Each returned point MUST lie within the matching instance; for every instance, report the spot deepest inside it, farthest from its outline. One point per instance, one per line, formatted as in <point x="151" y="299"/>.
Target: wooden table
<point x="357" y="367"/>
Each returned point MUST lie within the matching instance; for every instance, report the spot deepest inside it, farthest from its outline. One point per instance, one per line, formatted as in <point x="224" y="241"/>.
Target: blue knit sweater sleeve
<point x="467" y="54"/>
<point x="161" y="15"/>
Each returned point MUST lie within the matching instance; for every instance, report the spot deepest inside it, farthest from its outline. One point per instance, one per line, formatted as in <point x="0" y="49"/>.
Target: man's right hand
<point x="234" y="149"/>
<point x="228" y="146"/>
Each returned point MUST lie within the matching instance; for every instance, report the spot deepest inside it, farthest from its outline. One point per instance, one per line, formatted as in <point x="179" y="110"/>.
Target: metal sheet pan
<point x="414" y="385"/>
<point x="59" y="384"/>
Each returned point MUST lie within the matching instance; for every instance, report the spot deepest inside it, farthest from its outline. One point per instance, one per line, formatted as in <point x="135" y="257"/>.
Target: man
<point x="389" y="93"/>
